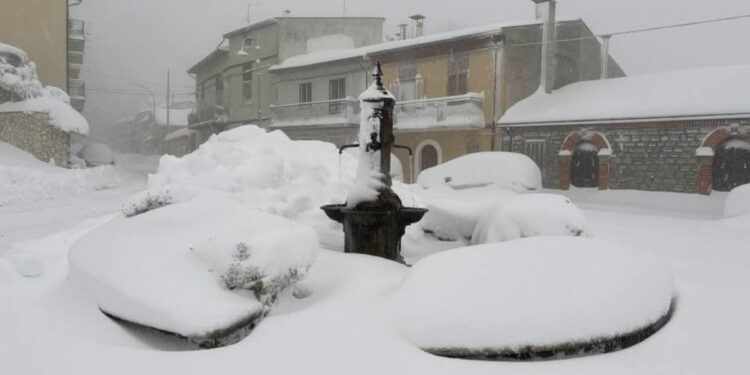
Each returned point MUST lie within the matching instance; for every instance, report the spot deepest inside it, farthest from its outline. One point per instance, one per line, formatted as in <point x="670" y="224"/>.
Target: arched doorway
<point x="428" y="157"/>
<point x="584" y="169"/>
<point x="731" y="165"/>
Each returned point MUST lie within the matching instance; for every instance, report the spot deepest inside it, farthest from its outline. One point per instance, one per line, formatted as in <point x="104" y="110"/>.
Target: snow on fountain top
<point x="370" y="172"/>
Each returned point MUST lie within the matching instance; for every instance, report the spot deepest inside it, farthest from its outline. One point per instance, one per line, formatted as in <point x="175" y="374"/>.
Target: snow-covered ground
<point x="51" y="325"/>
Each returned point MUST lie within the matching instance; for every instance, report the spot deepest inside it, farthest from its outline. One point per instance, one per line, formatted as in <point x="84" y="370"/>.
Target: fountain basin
<point x="374" y="231"/>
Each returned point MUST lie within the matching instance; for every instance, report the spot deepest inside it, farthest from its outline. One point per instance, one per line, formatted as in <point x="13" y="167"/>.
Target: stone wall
<point x="656" y="156"/>
<point x="35" y="134"/>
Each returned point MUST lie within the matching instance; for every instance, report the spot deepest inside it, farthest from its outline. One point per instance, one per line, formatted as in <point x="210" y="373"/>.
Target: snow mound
<point x="536" y="292"/>
<point x="172" y="268"/>
<point x="738" y="201"/>
<point x="531" y="215"/>
<point x="507" y="170"/>
<point x="95" y="154"/>
<point x="24" y="178"/>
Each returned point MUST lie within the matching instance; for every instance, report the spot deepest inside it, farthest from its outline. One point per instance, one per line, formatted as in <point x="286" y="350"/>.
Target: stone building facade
<point x="684" y="131"/>
<point x="654" y="155"/>
<point x="35" y="134"/>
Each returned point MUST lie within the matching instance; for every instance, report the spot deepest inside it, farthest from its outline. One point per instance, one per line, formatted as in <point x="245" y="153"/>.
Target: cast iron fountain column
<point x="375" y="227"/>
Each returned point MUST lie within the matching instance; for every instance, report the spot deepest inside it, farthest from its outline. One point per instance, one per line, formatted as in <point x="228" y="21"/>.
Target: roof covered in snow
<point x="703" y="92"/>
<point x="219" y="51"/>
<point x="450" y="36"/>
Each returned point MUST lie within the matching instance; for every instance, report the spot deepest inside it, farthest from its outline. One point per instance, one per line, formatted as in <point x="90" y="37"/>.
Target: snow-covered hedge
<point x="738" y="201"/>
<point x="174" y="268"/>
<point x="533" y="292"/>
<point x="506" y="170"/>
<point x="531" y="215"/>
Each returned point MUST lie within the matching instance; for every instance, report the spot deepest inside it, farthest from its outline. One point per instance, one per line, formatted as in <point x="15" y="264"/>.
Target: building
<point x="233" y="85"/>
<point x="58" y="51"/>
<point x="684" y="131"/>
<point x="449" y="86"/>
<point x="149" y="132"/>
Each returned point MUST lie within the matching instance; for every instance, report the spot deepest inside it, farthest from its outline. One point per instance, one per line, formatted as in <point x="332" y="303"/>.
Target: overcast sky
<point x="138" y="40"/>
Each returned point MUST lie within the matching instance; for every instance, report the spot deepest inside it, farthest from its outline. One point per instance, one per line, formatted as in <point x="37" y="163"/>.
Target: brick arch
<point x="566" y="153"/>
<point x="712" y="140"/>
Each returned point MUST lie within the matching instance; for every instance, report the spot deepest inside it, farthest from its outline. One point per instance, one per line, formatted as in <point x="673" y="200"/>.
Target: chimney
<point x="605" y="56"/>
<point x="402" y="32"/>
<point x="548" y="45"/>
<point x="419" y="27"/>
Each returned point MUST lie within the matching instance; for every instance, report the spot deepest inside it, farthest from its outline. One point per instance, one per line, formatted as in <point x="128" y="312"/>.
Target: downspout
<point x="497" y="39"/>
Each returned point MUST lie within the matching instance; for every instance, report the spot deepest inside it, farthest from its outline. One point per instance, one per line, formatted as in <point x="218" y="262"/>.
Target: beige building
<point x="449" y="87"/>
<point x="53" y="41"/>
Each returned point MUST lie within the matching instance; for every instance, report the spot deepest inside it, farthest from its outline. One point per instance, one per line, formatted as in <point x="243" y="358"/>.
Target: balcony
<point x="323" y="113"/>
<point x="76" y="29"/>
<point x="77" y="93"/>
<point x="460" y="111"/>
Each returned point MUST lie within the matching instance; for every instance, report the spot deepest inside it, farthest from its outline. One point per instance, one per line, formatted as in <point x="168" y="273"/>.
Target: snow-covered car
<point x="508" y="170"/>
<point x="95" y="154"/>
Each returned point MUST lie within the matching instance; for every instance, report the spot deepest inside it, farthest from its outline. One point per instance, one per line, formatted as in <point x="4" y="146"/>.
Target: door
<point x="731" y="165"/>
<point x="584" y="168"/>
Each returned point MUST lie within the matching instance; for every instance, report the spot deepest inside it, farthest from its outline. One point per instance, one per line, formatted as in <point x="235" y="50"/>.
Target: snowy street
<point x="51" y="327"/>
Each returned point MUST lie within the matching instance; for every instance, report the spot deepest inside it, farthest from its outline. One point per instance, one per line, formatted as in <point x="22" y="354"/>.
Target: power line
<point x="127" y="78"/>
<point x="642" y="30"/>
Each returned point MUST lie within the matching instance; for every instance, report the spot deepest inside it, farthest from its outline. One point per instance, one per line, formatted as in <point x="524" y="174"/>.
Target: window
<point x="305" y="92"/>
<point x="458" y="74"/>
<point x="247" y="82"/>
<point x="203" y="90"/>
<point x="407" y="73"/>
<point x="219" y="85"/>
<point x="336" y="91"/>
<point x="535" y="150"/>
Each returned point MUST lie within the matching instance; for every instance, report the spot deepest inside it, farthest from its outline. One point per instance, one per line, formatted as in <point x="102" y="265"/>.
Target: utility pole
<point x="548" y="45"/>
<point x="168" y="99"/>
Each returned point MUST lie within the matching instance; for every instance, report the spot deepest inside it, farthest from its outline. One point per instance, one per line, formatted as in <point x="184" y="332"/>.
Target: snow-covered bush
<point x="21" y="80"/>
<point x="170" y="269"/>
<point x="738" y="201"/>
<point x="147" y="201"/>
<point x="535" y="292"/>
<point x="506" y="170"/>
<point x="531" y="215"/>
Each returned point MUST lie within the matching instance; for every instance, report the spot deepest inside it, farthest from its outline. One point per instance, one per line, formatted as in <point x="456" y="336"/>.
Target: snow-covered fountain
<point x="373" y="216"/>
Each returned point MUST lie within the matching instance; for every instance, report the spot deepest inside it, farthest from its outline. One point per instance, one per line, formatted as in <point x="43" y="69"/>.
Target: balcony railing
<point x="446" y="112"/>
<point x="328" y="112"/>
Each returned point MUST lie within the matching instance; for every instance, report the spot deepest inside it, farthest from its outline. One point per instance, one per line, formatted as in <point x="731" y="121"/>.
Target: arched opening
<point x="428" y="157"/>
<point x="584" y="168"/>
<point x="731" y="165"/>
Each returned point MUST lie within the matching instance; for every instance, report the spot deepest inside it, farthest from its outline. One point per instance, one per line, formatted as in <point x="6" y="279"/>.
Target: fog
<point x="136" y="41"/>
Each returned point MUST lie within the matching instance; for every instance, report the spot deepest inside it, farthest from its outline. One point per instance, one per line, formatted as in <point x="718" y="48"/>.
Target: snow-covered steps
<point x="207" y="269"/>
<point x="535" y="298"/>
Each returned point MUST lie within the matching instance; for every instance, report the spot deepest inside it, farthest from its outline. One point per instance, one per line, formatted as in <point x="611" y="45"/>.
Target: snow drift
<point x="738" y="201"/>
<point x="23" y="178"/>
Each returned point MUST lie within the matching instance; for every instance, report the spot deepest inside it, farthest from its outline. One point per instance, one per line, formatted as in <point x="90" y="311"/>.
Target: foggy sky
<point x="138" y="40"/>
